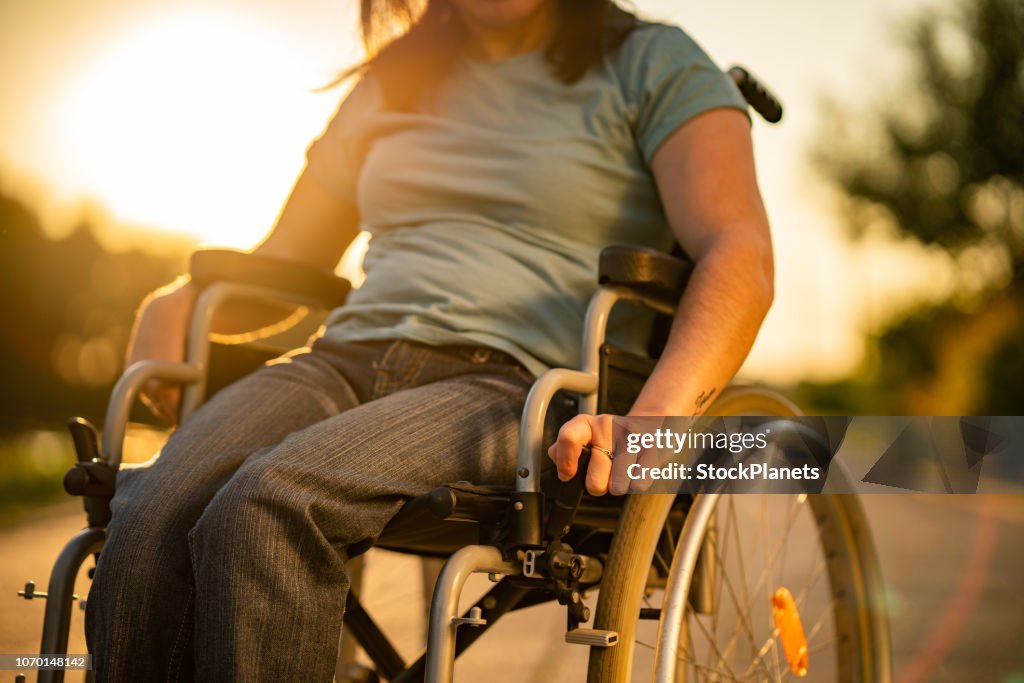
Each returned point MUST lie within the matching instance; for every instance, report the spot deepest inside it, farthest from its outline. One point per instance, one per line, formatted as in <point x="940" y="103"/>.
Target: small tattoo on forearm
<point x="703" y="398"/>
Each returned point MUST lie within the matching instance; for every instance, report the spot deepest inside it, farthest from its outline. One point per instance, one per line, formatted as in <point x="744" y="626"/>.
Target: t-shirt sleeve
<point x="334" y="159"/>
<point x="671" y="79"/>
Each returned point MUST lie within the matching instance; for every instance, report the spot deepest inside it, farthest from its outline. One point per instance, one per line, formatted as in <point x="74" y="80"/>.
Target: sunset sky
<point x="191" y="118"/>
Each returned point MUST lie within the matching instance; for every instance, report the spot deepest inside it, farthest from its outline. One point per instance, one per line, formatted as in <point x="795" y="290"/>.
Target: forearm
<point x="718" y="318"/>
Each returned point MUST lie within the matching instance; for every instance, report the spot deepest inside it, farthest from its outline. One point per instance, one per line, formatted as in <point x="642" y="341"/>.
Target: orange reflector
<point x="791" y="631"/>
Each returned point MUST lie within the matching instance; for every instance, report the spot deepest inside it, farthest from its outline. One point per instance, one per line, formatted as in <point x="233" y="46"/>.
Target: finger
<point x="652" y="458"/>
<point x="600" y="470"/>
<point x="620" y="482"/>
<point x="573" y="435"/>
<point x="640" y="485"/>
<point x="599" y="473"/>
<point x="647" y="458"/>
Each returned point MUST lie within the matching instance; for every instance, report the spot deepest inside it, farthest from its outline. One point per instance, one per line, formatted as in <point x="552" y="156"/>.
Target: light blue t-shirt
<point x="490" y="202"/>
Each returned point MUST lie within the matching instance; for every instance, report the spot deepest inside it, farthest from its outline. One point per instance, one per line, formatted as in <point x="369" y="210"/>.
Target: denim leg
<point x="137" y="620"/>
<point x="268" y="553"/>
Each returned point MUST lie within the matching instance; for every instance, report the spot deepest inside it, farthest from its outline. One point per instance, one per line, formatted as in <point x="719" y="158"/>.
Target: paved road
<point x="954" y="565"/>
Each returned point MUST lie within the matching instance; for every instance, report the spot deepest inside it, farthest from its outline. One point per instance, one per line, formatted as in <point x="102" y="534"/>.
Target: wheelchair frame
<point x="526" y="520"/>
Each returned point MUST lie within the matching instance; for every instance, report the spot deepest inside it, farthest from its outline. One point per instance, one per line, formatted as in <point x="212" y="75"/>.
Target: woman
<point x="492" y="150"/>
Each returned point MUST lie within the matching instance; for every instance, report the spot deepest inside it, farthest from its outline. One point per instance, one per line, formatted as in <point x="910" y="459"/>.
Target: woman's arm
<point x="705" y="175"/>
<point x="314" y="227"/>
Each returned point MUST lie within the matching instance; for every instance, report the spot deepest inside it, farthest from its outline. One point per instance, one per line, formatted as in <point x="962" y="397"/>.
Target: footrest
<point x="592" y="636"/>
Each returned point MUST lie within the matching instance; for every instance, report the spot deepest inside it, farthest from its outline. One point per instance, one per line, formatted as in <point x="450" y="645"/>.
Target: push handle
<point x="568" y="498"/>
<point x="756" y="95"/>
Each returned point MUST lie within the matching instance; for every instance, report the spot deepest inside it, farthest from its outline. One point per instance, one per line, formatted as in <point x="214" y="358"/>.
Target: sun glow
<point x="192" y="124"/>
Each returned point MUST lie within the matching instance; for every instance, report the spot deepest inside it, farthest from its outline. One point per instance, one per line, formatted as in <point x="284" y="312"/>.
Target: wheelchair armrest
<point x="313" y="284"/>
<point x="652" y="272"/>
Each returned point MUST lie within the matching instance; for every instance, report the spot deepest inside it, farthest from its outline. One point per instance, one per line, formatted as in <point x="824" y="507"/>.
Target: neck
<point x="498" y="42"/>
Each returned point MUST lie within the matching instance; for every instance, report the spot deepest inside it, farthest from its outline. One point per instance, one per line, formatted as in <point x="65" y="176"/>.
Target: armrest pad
<point x="647" y="270"/>
<point x="223" y="265"/>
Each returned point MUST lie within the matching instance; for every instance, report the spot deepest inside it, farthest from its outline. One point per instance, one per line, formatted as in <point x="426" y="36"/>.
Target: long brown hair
<point x="410" y="44"/>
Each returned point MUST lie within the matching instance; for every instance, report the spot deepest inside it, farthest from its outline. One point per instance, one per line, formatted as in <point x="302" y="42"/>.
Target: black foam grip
<point x="224" y="265"/>
<point x="567" y="499"/>
<point x="757" y="96"/>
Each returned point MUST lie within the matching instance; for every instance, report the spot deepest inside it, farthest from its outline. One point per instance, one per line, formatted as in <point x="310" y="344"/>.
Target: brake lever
<point x="567" y="500"/>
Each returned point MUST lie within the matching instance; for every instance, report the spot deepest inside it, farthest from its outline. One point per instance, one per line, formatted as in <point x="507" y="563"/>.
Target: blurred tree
<point x="68" y="307"/>
<point x="943" y="164"/>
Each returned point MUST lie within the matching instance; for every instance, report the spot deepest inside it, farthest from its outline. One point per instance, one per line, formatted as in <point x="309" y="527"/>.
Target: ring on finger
<point x="611" y="456"/>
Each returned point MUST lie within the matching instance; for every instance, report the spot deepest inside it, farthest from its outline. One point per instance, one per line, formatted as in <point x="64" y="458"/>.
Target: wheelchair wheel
<point x="744" y="549"/>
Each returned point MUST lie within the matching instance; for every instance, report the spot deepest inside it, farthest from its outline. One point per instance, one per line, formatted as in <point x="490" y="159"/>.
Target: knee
<point x="253" y="500"/>
<point x="145" y="540"/>
<point x="140" y="512"/>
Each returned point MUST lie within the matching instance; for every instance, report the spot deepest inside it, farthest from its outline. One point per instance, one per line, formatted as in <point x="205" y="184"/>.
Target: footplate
<point x="593" y="637"/>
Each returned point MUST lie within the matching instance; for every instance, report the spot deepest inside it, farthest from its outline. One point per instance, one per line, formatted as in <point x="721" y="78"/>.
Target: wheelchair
<point x="684" y="583"/>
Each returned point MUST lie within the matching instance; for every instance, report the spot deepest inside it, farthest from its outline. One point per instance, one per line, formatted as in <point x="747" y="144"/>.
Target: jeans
<point x="225" y="560"/>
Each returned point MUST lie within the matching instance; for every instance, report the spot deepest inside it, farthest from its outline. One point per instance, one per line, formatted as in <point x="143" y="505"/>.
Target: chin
<point x="499" y="13"/>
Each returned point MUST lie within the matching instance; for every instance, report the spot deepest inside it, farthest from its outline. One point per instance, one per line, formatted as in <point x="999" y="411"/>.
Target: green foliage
<point x="907" y="346"/>
<point x="32" y="467"/>
<point x="948" y="163"/>
<point x="943" y="164"/>
<point x="68" y="307"/>
<point x="844" y="397"/>
<point x="1004" y="376"/>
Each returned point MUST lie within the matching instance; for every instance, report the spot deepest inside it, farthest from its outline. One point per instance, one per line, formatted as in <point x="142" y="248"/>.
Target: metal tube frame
<point x="191" y="373"/>
<point x="198" y="350"/>
<point x="478" y="558"/>
<point x="444" y="606"/>
<point x="503" y="598"/>
<point x="583" y="381"/>
<point x="123" y="397"/>
<point x="677" y="590"/>
<point x="60" y="593"/>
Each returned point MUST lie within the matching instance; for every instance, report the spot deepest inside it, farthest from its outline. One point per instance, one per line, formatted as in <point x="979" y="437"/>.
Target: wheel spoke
<point x="744" y="621"/>
<point x="769" y="645"/>
<point x="821" y="646"/>
<point x="713" y="673"/>
<point x="744" y="612"/>
<point x="714" y="647"/>
<point x="741" y="599"/>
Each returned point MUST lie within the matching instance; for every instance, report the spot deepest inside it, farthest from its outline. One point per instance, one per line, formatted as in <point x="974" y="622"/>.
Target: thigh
<point x="352" y="472"/>
<point x="258" y="411"/>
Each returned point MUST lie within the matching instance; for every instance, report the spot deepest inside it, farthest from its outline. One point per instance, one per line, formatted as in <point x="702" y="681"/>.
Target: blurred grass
<point x="32" y="467"/>
<point x="33" y="464"/>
